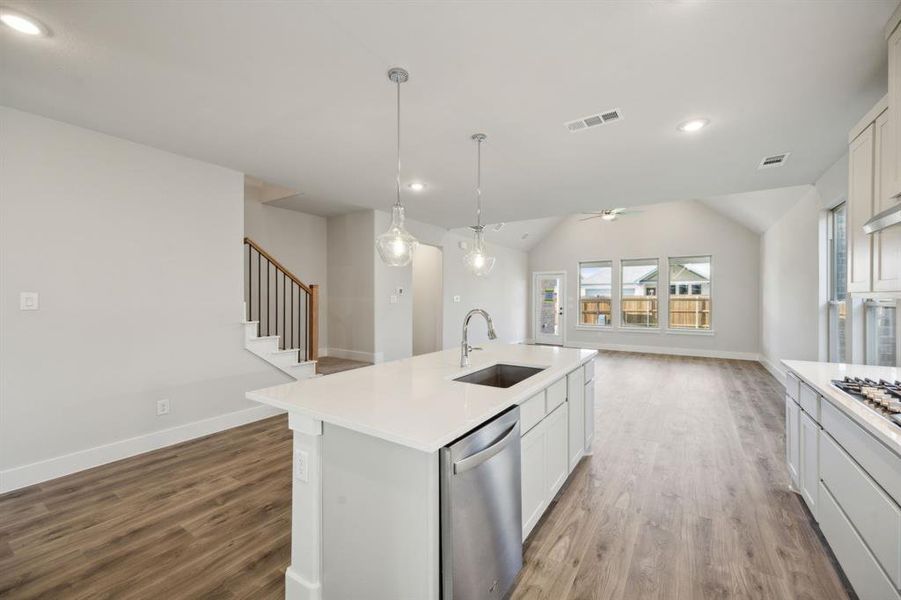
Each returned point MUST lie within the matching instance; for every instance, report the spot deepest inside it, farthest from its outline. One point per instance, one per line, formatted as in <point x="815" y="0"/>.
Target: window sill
<point x="639" y="329"/>
<point x="595" y="327"/>
<point x="701" y="332"/>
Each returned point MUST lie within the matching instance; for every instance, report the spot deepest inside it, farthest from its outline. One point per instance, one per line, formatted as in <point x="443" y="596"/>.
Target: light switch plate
<point x="28" y="301"/>
<point x="393" y="298"/>
<point x="162" y="407"/>
<point x="399" y="291"/>
<point x="457" y="299"/>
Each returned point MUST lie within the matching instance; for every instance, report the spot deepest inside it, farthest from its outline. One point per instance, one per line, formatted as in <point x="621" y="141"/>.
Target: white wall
<point x="793" y="274"/>
<point x="136" y="255"/>
<point x="673" y="229"/>
<point x="427" y="297"/>
<point x="384" y="330"/>
<point x="295" y="239"/>
<point x="351" y="282"/>
<point x="789" y="285"/>
<point x="504" y="293"/>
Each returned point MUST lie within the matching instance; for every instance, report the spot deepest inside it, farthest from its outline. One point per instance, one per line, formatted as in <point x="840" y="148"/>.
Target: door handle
<point x="474" y="460"/>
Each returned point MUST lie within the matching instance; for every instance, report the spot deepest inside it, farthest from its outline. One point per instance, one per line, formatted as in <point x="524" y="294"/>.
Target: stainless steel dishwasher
<point x="481" y="511"/>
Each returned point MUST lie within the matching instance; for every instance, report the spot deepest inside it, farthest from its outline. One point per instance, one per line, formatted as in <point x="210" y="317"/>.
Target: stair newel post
<point x="314" y="322"/>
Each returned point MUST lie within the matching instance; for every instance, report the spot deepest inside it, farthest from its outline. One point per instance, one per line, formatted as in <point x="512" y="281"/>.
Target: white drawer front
<point x="589" y="371"/>
<point x="556" y="394"/>
<point x="865" y="576"/>
<point x="875" y="517"/>
<point x="879" y="462"/>
<point x="791" y="385"/>
<point x="531" y="412"/>
<point x="810" y="401"/>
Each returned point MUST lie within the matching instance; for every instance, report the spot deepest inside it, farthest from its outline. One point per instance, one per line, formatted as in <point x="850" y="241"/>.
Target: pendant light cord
<point x="479" y="184"/>
<point x="397" y="178"/>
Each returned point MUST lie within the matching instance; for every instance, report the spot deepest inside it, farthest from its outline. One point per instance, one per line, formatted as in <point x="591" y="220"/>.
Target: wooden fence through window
<point x="685" y="312"/>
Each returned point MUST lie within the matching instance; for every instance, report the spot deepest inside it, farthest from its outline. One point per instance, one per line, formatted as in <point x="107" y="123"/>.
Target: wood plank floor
<point x="685" y="497"/>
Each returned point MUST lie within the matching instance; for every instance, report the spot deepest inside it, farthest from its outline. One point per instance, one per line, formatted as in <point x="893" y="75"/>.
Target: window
<point x="690" y="307"/>
<point x="837" y="231"/>
<point x="639" y="292"/>
<point x="595" y="293"/>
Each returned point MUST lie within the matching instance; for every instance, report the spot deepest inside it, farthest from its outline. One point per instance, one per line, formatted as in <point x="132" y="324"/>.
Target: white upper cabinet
<point x="860" y="209"/>
<point x="886" y="243"/>
<point x="893" y="177"/>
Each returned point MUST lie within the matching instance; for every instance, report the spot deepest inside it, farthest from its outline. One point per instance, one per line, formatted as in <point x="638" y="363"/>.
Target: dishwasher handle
<point x="474" y="460"/>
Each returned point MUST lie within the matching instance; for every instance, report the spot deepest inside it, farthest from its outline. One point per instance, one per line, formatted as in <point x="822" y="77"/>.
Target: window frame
<point x="613" y="303"/>
<point x="832" y="302"/>
<point x="622" y="320"/>
<point x="689" y="330"/>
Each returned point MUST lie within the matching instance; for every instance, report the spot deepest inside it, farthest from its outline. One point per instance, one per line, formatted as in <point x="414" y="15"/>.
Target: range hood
<point x="887" y="218"/>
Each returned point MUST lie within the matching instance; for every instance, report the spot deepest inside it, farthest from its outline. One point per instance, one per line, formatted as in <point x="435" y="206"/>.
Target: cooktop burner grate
<point x="882" y="396"/>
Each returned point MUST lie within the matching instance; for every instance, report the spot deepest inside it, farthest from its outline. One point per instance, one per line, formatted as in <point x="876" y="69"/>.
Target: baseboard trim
<point x="775" y="370"/>
<point x="60" y="466"/>
<point x="698" y="352"/>
<point x="370" y="357"/>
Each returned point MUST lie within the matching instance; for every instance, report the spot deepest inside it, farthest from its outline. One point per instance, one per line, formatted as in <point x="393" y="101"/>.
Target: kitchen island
<point x="366" y="515"/>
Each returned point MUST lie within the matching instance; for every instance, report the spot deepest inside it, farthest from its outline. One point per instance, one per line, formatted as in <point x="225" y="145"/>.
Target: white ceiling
<point x="295" y="93"/>
<point x="511" y="234"/>
<point x="759" y="209"/>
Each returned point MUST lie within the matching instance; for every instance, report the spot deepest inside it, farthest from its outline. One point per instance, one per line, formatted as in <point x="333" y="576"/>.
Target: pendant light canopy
<point x="477" y="260"/>
<point x="396" y="246"/>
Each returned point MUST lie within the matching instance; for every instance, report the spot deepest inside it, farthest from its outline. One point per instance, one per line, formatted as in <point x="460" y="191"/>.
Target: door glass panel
<point x="549" y="315"/>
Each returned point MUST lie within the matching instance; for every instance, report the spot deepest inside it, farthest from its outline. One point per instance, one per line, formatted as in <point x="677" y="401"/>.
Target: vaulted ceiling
<point x="295" y="93"/>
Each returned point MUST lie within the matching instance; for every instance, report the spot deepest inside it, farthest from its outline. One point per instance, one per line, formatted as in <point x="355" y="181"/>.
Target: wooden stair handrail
<point x="278" y="265"/>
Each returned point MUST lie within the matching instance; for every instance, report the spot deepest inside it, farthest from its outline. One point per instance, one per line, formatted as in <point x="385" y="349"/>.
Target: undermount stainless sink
<point x="500" y="376"/>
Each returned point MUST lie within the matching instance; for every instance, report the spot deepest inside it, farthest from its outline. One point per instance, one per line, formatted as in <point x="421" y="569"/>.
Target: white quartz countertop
<point x="819" y="375"/>
<point x="415" y="402"/>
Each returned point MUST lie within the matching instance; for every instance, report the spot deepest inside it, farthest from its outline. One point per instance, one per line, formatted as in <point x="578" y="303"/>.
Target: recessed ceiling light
<point x="693" y="125"/>
<point x="416" y="186"/>
<point x="22" y="23"/>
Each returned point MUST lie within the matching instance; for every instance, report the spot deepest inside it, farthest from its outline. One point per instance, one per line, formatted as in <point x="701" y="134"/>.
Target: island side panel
<point x="303" y="578"/>
<point x="380" y="519"/>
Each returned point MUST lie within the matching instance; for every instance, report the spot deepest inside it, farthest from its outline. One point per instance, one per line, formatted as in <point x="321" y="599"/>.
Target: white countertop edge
<point x="521" y="396"/>
<point x="875" y="424"/>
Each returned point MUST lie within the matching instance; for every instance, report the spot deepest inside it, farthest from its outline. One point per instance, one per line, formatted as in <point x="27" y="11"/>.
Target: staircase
<point x="281" y="314"/>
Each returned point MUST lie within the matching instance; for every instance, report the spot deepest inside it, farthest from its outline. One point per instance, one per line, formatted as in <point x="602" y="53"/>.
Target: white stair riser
<point x="267" y="348"/>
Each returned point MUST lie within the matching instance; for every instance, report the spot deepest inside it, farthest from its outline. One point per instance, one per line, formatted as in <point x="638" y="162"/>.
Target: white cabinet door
<point x="810" y="462"/>
<point x="589" y="416"/>
<point x="894" y="102"/>
<point x="860" y="209"/>
<point x="792" y="440"/>
<point x="886" y="243"/>
<point x="575" y="396"/>
<point x="534" y="490"/>
<point x="555" y="458"/>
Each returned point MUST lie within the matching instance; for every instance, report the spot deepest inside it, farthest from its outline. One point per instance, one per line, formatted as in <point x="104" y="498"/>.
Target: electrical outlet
<point x="457" y="299"/>
<point x="162" y="407"/>
<point x="28" y="301"/>
<point x="302" y="465"/>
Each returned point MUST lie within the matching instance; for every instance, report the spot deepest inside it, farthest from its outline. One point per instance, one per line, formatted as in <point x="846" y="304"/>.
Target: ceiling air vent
<point x="776" y="160"/>
<point x="499" y="226"/>
<point x="602" y="118"/>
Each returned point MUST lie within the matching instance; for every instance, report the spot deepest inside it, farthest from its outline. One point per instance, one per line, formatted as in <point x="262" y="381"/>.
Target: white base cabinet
<point x="793" y="441"/>
<point x="809" y="475"/>
<point x="575" y="396"/>
<point x="544" y="466"/>
<point x="589" y="415"/>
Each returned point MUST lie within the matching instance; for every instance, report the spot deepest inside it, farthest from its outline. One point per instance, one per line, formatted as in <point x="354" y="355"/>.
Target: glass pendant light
<point x="477" y="260"/>
<point x="396" y="246"/>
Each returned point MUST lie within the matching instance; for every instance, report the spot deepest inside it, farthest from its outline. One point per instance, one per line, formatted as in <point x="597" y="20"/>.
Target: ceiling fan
<point x="610" y="214"/>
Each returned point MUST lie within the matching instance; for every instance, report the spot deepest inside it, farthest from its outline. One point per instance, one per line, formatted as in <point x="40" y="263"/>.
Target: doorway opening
<point x="428" y="290"/>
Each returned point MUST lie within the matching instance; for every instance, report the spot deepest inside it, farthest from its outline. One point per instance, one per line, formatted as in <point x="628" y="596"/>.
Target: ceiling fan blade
<point x="591" y="217"/>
